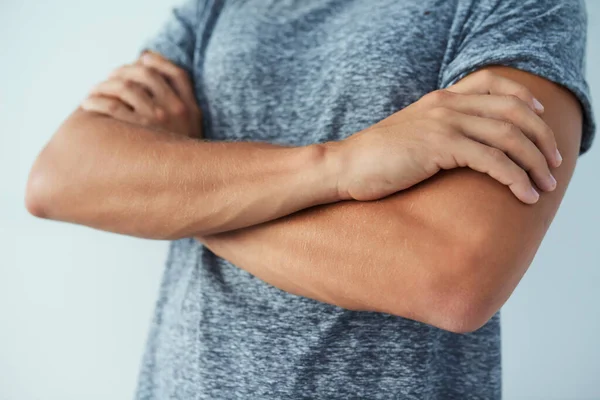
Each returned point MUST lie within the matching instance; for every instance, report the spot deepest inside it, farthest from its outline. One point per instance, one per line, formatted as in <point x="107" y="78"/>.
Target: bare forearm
<point x="381" y="256"/>
<point x="448" y="252"/>
<point x="329" y="253"/>
<point x="419" y="254"/>
<point x="125" y="178"/>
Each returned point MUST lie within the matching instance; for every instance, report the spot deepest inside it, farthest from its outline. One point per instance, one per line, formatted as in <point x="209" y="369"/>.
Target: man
<point x="318" y="250"/>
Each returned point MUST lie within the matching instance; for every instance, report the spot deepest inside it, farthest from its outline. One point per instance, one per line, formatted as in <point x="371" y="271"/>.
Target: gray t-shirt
<point x="303" y="71"/>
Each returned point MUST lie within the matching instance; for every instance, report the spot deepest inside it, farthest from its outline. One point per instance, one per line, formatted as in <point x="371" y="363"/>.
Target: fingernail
<point x="552" y="182"/>
<point x="558" y="158"/>
<point x="537" y="105"/>
<point x="534" y="195"/>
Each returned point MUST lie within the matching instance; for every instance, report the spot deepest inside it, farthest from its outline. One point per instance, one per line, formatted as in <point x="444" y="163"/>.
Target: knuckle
<point x="514" y="106"/>
<point x="113" y="106"/>
<point x="522" y="92"/>
<point x="179" y="109"/>
<point x="438" y="96"/>
<point x="160" y="115"/>
<point x="439" y="113"/>
<point x="513" y="100"/>
<point x="180" y="74"/>
<point x="126" y="85"/>
<point x="145" y="72"/>
<point x="508" y="130"/>
<point x="495" y="154"/>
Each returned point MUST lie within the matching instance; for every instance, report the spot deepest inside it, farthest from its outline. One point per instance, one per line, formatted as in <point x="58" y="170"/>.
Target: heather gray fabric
<point x="304" y="71"/>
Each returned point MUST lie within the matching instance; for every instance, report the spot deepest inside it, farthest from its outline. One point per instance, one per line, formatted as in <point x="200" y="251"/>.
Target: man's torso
<point x="299" y="72"/>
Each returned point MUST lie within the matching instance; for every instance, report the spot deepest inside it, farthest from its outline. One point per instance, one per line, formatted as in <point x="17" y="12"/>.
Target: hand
<point x="486" y="122"/>
<point x="152" y="92"/>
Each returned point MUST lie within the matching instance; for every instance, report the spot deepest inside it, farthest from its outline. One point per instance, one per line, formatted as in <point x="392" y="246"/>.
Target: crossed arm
<point x="447" y="252"/>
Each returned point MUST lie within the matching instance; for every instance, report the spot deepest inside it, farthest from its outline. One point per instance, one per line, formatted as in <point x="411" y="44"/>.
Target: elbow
<point x="450" y="312"/>
<point x="462" y="314"/>
<point x="33" y="199"/>
<point x="54" y="175"/>
<point x="456" y="296"/>
<point x="48" y="184"/>
<point x="38" y="191"/>
<point x="468" y="292"/>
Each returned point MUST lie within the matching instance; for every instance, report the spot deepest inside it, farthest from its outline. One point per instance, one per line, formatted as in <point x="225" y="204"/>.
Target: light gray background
<point x="75" y="303"/>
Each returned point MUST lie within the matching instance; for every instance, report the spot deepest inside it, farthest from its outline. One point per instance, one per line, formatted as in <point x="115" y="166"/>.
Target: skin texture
<point x="132" y="145"/>
<point x="127" y="179"/>
<point x="448" y="251"/>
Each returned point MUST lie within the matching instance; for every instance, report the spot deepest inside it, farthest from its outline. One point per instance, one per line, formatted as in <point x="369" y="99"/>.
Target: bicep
<point x="521" y="227"/>
<point x="504" y="232"/>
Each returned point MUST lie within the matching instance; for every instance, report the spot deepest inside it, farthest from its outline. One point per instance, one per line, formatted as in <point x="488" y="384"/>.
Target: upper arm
<point x="540" y="44"/>
<point x="521" y="227"/>
<point x="501" y="233"/>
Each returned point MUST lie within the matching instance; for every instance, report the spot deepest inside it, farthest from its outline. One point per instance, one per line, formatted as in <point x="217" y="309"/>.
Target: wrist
<point x="332" y="169"/>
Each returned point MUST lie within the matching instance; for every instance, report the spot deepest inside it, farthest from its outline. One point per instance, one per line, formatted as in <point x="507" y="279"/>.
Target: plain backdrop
<point x="75" y="303"/>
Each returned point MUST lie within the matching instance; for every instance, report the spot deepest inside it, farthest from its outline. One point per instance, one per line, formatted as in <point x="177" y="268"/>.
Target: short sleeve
<point x="176" y="38"/>
<point x="543" y="37"/>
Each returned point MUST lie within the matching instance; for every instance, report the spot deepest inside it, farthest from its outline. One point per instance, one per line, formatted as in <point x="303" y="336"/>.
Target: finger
<point x="129" y="93"/>
<point x="176" y="75"/>
<point x="487" y="82"/>
<point x="111" y="107"/>
<point x="514" y="110"/>
<point x="496" y="164"/>
<point x="509" y="139"/>
<point x="163" y="95"/>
